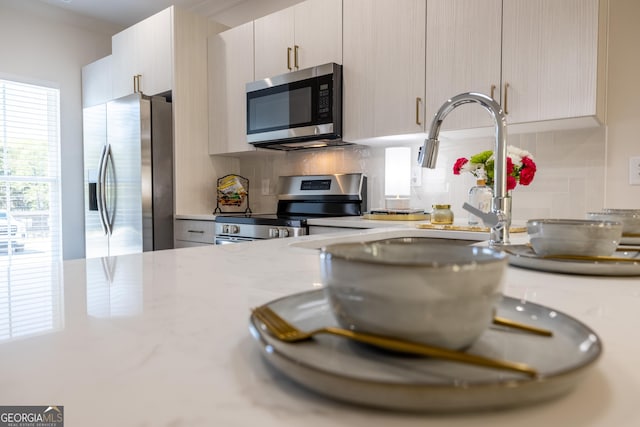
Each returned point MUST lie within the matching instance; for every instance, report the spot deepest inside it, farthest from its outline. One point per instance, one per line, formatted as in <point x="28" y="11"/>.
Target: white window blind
<point x="30" y="238"/>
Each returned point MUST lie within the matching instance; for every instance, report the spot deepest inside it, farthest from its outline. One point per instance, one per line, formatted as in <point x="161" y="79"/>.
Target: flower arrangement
<point x="520" y="166"/>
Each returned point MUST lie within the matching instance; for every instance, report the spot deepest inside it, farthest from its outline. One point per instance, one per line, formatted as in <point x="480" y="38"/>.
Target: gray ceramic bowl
<point x="440" y="294"/>
<point x="630" y="218"/>
<point x="574" y="236"/>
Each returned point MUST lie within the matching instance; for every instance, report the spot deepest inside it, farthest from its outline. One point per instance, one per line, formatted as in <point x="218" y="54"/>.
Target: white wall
<point x="623" y="102"/>
<point x="43" y="43"/>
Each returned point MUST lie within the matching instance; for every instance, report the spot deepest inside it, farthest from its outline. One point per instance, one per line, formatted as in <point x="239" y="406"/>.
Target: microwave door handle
<point x="100" y="189"/>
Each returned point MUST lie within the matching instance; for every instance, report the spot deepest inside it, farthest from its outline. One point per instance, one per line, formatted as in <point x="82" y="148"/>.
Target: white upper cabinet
<point x="146" y="50"/>
<point x="383" y="68"/>
<point x="542" y="60"/>
<point x="230" y="68"/>
<point x="96" y="82"/>
<point x="301" y="36"/>
<point x="550" y="59"/>
<point x="463" y="55"/>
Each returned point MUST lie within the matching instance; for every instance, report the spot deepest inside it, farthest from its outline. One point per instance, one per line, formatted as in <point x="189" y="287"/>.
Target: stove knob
<point x="225" y="228"/>
<point x="283" y="232"/>
<point x="273" y="232"/>
<point x="234" y="229"/>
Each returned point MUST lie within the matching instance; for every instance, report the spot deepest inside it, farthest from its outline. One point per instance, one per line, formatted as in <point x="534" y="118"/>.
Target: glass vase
<point x="480" y="197"/>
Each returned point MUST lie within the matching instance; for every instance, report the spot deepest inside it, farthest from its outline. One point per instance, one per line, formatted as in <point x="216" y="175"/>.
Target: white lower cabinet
<point x="190" y="232"/>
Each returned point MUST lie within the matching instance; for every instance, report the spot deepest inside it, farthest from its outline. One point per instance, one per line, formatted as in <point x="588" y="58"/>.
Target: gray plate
<point x="524" y="256"/>
<point x="364" y="375"/>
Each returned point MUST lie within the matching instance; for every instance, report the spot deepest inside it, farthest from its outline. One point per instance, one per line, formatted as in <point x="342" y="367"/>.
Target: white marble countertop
<point x="161" y="339"/>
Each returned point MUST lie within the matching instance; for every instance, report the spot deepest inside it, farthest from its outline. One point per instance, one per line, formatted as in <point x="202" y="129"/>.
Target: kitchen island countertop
<point x="161" y="338"/>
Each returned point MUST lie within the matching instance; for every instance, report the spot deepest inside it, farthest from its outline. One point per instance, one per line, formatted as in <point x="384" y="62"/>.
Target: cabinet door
<point x="230" y="68"/>
<point x="463" y="55"/>
<point x="549" y="59"/>
<point x="383" y="67"/>
<point x="144" y="49"/>
<point x="194" y="231"/>
<point x="126" y="52"/>
<point x="274" y="40"/>
<point x="96" y="82"/>
<point x="318" y="33"/>
<point x="156" y="36"/>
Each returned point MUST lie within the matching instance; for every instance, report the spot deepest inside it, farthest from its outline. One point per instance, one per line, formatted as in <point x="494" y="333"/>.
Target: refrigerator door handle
<point x="100" y="188"/>
<point x="106" y="216"/>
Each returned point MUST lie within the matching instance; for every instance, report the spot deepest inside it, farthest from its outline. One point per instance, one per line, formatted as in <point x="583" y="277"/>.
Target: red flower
<point x="459" y="164"/>
<point x="511" y="182"/>
<point x="528" y="171"/>
<point x="509" y="166"/>
<point x="527" y="162"/>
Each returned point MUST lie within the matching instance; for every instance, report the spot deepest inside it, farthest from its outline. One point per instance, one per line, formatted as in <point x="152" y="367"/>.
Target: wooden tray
<point x="466" y="228"/>
<point x="398" y="217"/>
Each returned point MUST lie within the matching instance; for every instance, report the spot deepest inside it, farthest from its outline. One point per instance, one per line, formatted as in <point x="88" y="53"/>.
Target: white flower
<point x="470" y="167"/>
<point x="517" y="154"/>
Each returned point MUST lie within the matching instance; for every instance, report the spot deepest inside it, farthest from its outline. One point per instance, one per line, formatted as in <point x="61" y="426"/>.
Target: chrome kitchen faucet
<point x="498" y="219"/>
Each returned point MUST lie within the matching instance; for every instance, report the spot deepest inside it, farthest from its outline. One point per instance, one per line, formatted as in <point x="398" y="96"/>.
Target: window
<point x="30" y="238"/>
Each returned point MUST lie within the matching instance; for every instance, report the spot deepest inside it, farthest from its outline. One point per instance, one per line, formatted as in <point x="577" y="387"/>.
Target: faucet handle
<point x="495" y="220"/>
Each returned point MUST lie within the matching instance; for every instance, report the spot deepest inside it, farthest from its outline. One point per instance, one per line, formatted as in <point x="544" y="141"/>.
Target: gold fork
<point x="502" y="321"/>
<point x="284" y="331"/>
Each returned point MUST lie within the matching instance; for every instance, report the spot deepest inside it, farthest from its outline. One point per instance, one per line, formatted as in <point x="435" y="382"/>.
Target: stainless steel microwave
<point x="296" y="110"/>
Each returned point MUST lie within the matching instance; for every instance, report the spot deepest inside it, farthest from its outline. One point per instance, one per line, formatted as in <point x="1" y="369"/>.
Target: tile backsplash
<point x="569" y="181"/>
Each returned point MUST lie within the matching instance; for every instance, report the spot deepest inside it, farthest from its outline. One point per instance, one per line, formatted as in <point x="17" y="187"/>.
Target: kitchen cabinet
<point x="550" y="59"/>
<point x="464" y="54"/>
<point x="96" y="82"/>
<point x="383" y="68"/>
<point x="191" y="232"/>
<point x="143" y="56"/>
<point x="540" y="59"/>
<point x="169" y="51"/>
<point x="230" y="68"/>
<point x="301" y="36"/>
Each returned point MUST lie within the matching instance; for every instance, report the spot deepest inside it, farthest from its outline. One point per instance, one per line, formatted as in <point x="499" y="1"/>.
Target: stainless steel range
<point x="300" y="197"/>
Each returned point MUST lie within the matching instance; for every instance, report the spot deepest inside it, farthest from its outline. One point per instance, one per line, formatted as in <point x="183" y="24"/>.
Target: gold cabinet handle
<point x="136" y="83"/>
<point x="289" y="58"/>
<point x="295" y="56"/>
<point x="493" y="91"/>
<point x="418" y="102"/>
<point x="506" y="89"/>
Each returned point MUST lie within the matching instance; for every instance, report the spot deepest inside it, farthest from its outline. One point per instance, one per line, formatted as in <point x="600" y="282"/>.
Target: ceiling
<point x="127" y="12"/>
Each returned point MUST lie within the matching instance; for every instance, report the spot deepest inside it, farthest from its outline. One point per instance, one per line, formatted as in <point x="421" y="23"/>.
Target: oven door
<point x="300" y="106"/>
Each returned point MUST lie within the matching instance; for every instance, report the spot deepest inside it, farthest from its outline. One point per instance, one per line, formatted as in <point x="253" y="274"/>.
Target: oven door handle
<point x="226" y="240"/>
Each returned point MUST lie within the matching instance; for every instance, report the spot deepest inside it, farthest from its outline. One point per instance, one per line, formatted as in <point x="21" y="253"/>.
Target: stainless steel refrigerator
<point x="128" y="173"/>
